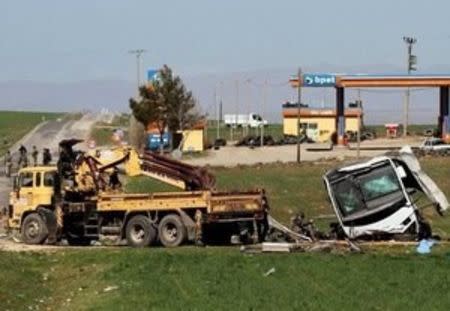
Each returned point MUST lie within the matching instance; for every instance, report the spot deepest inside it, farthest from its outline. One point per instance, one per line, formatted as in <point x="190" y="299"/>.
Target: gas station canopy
<point x="366" y="80"/>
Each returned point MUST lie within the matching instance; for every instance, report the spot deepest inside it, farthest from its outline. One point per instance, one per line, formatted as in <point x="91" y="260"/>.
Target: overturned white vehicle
<point x="378" y="198"/>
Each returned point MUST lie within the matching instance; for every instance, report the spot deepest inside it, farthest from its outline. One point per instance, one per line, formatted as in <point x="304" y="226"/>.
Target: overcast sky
<point x="56" y="40"/>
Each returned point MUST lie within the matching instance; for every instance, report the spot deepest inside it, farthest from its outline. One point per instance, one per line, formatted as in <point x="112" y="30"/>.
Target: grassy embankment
<point x="219" y="278"/>
<point x="16" y="124"/>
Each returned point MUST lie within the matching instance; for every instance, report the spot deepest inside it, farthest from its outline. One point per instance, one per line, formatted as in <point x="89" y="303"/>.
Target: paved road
<point x="232" y="156"/>
<point x="47" y="135"/>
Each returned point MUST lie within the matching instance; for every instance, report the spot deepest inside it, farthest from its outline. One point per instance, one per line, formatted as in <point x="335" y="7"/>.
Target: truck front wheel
<point x="172" y="231"/>
<point x="34" y="229"/>
<point x="140" y="231"/>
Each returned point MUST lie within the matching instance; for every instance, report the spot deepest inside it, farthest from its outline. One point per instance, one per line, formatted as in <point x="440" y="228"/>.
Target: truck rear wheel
<point x="34" y="229"/>
<point x="140" y="231"/>
<point x="172" y="231"/>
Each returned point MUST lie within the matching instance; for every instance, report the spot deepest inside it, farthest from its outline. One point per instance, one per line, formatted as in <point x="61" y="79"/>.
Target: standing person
<point x="46" y="157"/>
<point x="8" y="163"/>
<point x="22" y="149"/>
<point x="34" y="155"/>
<point x="23" y="157"/>
<point x="114" y="181"/>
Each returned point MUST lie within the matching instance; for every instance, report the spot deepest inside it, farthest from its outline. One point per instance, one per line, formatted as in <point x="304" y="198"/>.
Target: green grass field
<point x="16" y="124"/>
<point x="221" y="278"/>
<point x="102" y="132"/>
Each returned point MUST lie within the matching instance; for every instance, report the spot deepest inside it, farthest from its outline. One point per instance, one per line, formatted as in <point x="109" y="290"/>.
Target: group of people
<point x="23" y="158"/>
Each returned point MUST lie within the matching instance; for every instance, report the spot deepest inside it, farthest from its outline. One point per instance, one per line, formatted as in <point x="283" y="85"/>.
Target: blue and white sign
<point x="319" y="80"/>
<point x="152" y="75"/>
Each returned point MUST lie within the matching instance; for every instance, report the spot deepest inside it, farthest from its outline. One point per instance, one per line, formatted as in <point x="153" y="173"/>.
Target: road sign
<point x="152" y="75"/>
<point x="318" y="80"/>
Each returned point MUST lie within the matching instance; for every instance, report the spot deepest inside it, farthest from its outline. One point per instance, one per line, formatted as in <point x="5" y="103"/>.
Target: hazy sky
<point x="56" y="40"/>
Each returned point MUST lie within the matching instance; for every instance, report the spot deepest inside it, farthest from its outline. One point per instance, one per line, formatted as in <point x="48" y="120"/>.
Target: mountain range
<point x="261" y="91"/>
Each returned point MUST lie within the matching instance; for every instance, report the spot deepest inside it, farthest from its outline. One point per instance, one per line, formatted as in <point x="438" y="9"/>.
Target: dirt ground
<point x="231" y="156"/>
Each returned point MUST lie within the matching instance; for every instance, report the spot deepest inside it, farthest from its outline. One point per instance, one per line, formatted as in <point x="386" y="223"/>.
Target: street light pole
<point x="299" y="100"/>
<point x="138" y="53"/>
<point x="411" y="61"/>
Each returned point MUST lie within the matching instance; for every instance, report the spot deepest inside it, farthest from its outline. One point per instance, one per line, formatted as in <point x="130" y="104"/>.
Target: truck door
<point x="44" y="183"/>
<point x="25" y="191"/>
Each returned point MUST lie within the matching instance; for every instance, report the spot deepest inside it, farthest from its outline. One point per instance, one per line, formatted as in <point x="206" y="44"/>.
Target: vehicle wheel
<point x="369" y="135"/>
<point x="171" y="231"/>
<point x="34" y="230"/>
<point x="140" y="231"/>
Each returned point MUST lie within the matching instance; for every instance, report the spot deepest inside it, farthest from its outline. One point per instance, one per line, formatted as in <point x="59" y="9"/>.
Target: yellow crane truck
<point x="74" y="201"/>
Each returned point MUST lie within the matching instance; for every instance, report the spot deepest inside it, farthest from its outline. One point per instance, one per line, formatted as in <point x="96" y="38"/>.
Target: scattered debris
<point x="269" y="272"/>
<point x="277" y="247"/>
<point x="277" y="227"/>
<point x="110" y="288"/>
<point x="424" y="246"/>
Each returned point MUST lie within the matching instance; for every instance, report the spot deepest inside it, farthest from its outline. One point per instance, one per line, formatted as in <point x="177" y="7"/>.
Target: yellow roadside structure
<point x="319" y="124"/>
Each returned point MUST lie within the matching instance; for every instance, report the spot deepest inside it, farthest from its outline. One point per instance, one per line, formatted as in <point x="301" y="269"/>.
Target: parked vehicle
<point x="154" y="141"/>
<point x="434" y="144"/>
<point x="244" y="120"/>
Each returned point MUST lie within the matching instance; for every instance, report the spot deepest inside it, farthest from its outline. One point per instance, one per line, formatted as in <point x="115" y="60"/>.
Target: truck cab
<point x="33" y="188"/>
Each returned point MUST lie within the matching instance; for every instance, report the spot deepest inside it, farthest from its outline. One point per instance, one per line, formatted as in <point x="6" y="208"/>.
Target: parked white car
<point x="244" y="120"/>
<point x="434" y="144"/>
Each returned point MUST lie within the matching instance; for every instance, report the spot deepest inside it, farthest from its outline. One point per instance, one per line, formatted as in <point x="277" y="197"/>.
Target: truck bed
<point x="218" y="203"/>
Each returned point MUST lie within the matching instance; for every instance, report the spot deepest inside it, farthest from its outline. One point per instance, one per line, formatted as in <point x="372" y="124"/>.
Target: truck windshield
<point x="49" y="179"/>
<point x="26" y="179"/>
<point x="365" y="190"/>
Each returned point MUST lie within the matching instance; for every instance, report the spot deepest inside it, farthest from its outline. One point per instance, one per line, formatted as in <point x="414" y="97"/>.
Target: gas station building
<point x="342" y="82"/>
<point x="318" y="124"/>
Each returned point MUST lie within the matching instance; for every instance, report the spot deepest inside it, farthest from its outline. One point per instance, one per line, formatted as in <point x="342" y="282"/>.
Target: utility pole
<point x="218" y="105"/>
<point x="237" y="106"/>
<point x="358" y="133"/>
<point x="299" y="100"/>
<point x="138" y="53"/>
<point x="220" y="108"/>
<point x="411" y="63"/>
<point x="216" y="108"/>
<point x="263" y="111"/>
<point x="248" y="102"/>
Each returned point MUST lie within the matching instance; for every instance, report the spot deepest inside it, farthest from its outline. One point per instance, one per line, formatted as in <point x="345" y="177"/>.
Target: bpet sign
<point x="318" y="80"/>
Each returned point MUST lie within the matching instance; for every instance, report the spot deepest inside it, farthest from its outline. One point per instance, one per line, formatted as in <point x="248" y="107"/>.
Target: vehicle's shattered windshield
<point x="379" y="182"/>
<point x="356" y="191"/>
